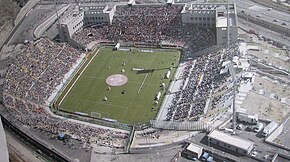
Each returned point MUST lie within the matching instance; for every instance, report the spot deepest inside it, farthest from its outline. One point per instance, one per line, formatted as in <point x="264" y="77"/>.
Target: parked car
<point x="258" y="127"/>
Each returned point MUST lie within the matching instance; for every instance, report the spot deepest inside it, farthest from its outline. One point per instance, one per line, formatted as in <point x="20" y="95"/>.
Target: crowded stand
<point x="203" y="76"/>
<point x="152" y="25"/>
<point x="32" y="77"/>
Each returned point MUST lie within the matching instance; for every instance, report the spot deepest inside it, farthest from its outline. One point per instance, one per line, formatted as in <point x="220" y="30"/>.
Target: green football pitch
<point x="133" y="102"/>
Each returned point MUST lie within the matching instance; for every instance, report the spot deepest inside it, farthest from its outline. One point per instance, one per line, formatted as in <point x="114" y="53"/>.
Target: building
<point x="97" y="14"/>
<point x="72" y="23"/>
<point x="229" y="142"/>
<point x="86" y="14"/>
<point x="213" y="16"/>
<point x="192" y="151"/>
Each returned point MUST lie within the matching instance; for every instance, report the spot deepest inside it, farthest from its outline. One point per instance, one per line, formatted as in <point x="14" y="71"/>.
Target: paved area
<point x="283" y="138"/>
<point x="23" y="153"/>
<point x="33" y="19"/>
<point x="253" y="9"/>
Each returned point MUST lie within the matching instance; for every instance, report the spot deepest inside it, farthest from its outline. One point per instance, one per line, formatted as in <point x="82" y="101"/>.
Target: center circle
<point x="116" y="80"/>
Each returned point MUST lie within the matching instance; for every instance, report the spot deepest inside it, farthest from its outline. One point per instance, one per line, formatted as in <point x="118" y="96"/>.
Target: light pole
<point x="59" y="25"/>
<point x="230" y="67"/>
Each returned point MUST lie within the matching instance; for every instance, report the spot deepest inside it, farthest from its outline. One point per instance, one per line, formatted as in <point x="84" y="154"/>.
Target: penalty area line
<point x="77" y="78"/>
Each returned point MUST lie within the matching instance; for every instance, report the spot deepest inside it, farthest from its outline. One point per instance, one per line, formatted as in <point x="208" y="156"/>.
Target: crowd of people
<point x="203" y="75"/>
<point x="31" y="79"/>
<point x="39" y="68"/>
<point x="151" y="25"/>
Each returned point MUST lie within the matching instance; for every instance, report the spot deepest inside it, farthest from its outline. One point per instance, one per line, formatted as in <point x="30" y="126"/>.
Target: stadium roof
<point x="231" y="140"/>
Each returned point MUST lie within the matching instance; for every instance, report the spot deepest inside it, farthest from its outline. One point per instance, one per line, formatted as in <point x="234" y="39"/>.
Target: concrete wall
<point x="275" y="133"/>
<point x="96" y="18"/>
<point x="200" y="18"/>
<point x="73" y="26"/>
<point x="3" y="149"/>
<point x="221" y="37"/>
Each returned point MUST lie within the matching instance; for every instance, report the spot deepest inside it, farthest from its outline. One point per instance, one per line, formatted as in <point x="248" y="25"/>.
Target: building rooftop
<point x="194" y="148"/>
<point x="222" y="19"/>
<point x="231" y="140"/>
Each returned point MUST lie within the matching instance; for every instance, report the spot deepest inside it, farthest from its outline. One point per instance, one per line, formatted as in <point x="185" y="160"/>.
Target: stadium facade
<point x="204" y="15"/>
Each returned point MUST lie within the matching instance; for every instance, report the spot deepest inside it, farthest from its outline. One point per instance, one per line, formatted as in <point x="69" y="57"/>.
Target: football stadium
<point x="122" y="75"/>
<point x="126" y="85"/>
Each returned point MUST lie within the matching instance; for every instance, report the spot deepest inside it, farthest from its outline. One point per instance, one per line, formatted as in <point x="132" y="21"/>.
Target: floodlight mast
<point x="58" y="26"/>
<point x="233" y="75"/>
<point x="232" y="71"/>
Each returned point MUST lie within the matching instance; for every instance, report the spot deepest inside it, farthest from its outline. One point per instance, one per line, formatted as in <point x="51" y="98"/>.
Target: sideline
<point x="77" y="78"/>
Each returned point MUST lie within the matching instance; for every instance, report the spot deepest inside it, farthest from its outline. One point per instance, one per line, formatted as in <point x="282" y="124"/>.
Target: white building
<point x="232" y="143"/>
<point x="213" y="16"/>
<point x="97" y="14"/>
<point x="85" y="15"/>
<point x="72" y="23"/>
<point x="193" y="151"/>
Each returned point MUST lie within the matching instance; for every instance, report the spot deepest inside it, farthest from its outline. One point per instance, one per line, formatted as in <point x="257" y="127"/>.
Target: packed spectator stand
<point x="203" y="76"/>
<point x="32" y="77"/>
<point x="151" y="25"/>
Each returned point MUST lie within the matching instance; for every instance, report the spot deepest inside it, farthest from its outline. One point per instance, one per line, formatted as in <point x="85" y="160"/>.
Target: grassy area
<point x="132" y="107"/>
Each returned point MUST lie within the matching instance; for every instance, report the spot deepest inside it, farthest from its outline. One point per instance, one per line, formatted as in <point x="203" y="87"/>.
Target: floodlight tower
<point x="58" y="26"/>
<point x="231" y="70"/>
<point x="234" y="79"/>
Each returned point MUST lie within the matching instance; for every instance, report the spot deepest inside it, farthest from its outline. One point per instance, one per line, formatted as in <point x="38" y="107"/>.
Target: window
<point x="204" y="18"/>
<point x="204" y="24"/>
<point x="191" y="18"/>
<point x="200" y="18"/>
<point x="213" y="18"/>
<point x="196" y="18"/>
